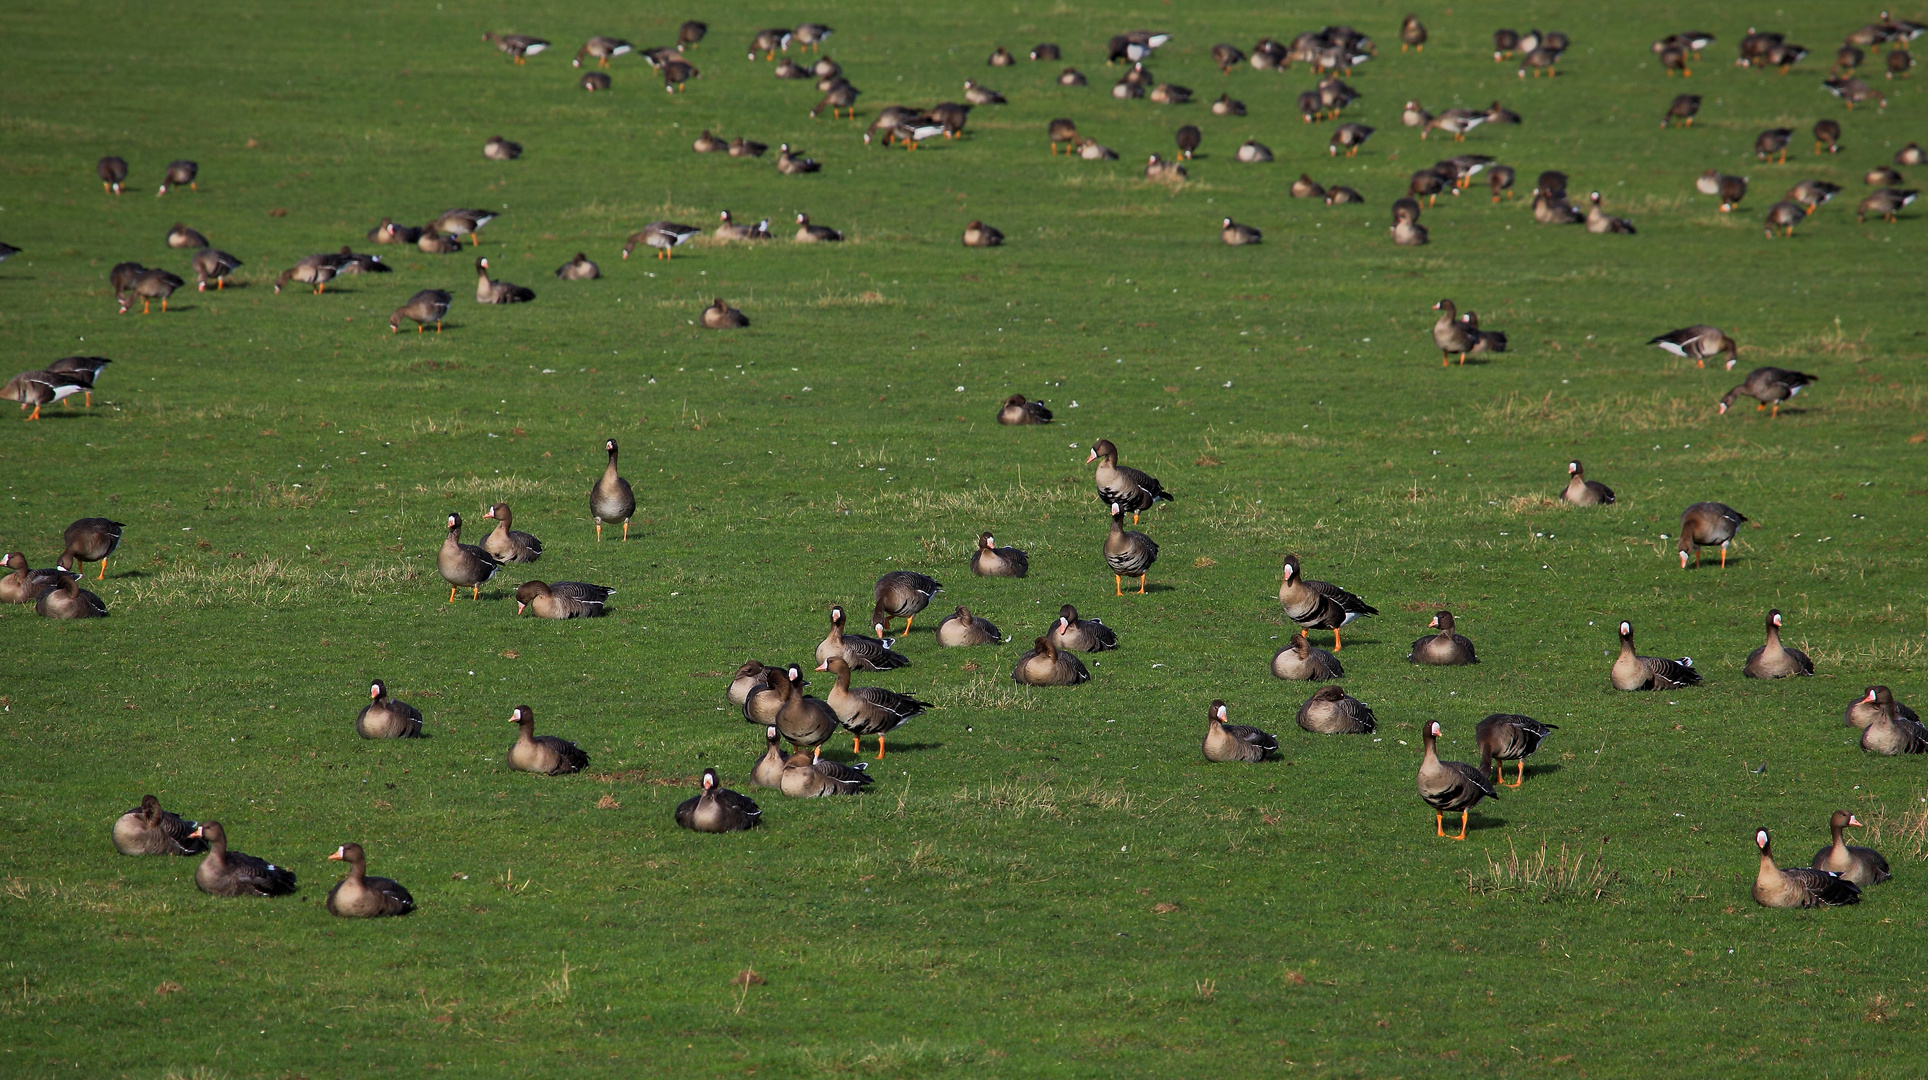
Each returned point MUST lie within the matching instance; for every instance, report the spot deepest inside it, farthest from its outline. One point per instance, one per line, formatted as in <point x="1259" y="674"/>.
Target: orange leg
<point x="598" y="530"/>
<point x="1439" y="823"/>
<point x="476" y="592"/>
<point x="1141" y="584"/>
<point x="880" y="748"/>
<point x="1445" y="359"/>
<point x="145" y="304"/>
<point x="1723" y="556"/>
<point x="857" y="745"/>
<point x="1335" y="640"/>
<point x="438" y="326"/>
<point x="1777" y="405"/>
<point x="103" y="571"/>
<point x="1462" y="826"/>
<point x="451" y="594"/>
<point x="625" y="530"/>
<point x="36" y="412"/>
<point x="1117" y="582"/>
<point x="475" y="238"/>
<point x="907" y="621"/>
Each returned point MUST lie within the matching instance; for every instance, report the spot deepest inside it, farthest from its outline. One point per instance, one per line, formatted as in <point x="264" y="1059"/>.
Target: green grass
<point x="1071" y="891"/>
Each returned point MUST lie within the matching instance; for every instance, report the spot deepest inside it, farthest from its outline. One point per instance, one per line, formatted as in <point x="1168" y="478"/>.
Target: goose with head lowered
<point x="461" y="222"/>
<point x="545" y="754"/>
<point x="464" y="564"/>
<point x="231" y="873"/>
<point x="961" y="629"/>
<point x="746" y="679"/>
<point x="112" y="172"/>
<point x="518" y="47"/>
<point x="429" y="305"/>
<point x="213" y="265"/>
<point x="1318" y="605"/>
<point x="718" y="809"/>
<point x="1863" y="866"/>
<point x="178" y="173"/>
<point x="149" y="830"/>
<point x="1450" y="785"/>
<point x="563" y="599"/>
<point x="1228" y="742"/>
<point x="1047" y="665"/>
<point x="37" y="388"/>
<point x="602" y="49"/>
<point x="1581" y="491"/>
<point x="1505" y="737"/>
<point x="88" y="540"/>
<point x="1698" y="343"/>
<point x="24" y="585"/>
<point x="862" y="653"/>
<point x="901" y="594"/>
<point x="989" y="560"/>
<point x="151" y="284"/>
<point x="1800" y="886"/>
<point x="1885" y="203"/>
<point x="1774" y="660"/>
<point x="1299" y="661"/>
<point x="316" y="270"/>
<point x="359" y="896"/>
<point x="1708" y="524"/>
<point x="1632" y="671"/>
<point x="721" y="316"/>
<point x="385" y="718"/>
<point x="867" y="710"/>
<point x="67" y="600"/>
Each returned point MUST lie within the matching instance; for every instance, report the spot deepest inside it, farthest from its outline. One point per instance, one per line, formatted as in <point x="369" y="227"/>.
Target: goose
<point x="1854" y="92"/>
<point x="1504" y="44"/>
<point x="1170" y="94"/>
<point x="1500" y="181"/>
<point x="1731" y="189"/>
<point x="901" y="594"/>
<point x="385" y="718"/>
<point x="180" y="236"/>
<point x="812" y="35"/>
<point x="664" y="236"/>
<point x="1634" y="672"/>
<point x="212" y="265"/>
<point x="1018" y="411"/>
<point x="768" y="770"/>
<point x="728" y="229"/>
<point x="460" y="222"/>
<point x="1331" y="711"/>
<point x="1237" y="235"/>
<point x="1550" y="207"/>
<point x="1415" y="115"/>
<point x="1581" y="491"/>
<point x="1319" y="605"/>
<point x="83" y="370"/>
<point x="979" y="235"/>
<point x="579" y="269"/>
<point x="815" y="234"/>
<point x="1001" y="57"/>
<point x="1773" y="141"/>
<point x="1226" y="105"/>
<point x="1846" y="59"/>
<point x="1046" y="51"/>
<point x="359" y="896"/>
<point x="1426" y="184"/>
<point x="1798" y="887"/>
<point x="1862" y="866"/>
<point x="1307" y="188"/>
<point x="1684" y="108"/>
<point x="1528" y="41"/>
<point x="432" y="242"/>
<point x="992" y="561"/>
<point x="839" y="97"/>
<point x="112" y="172"/>
<point x="488" y="291"/>
<point x="867" y="710"/>
<point x="545" y="754"/>
<point x="611" y="499"/>
<point x="1673" y="58"/>
<point x="1698" y="343"/>
<point x="862" y="653"/>
<point x="1599" y="221"/>
<point x="1878" y="701"/>
<point x="765" y="698"/>
<point x="1880" y="176"/>
<point x="718" y="809"/>
<point x="149" y="830"/>
<point x="752" y="675"/>
<point x="805" y="777"/>
<point x="1707" y="524"/>
<point x="1890" y="731"/>
<point x="37" y="388"/>
<point x="1128" y="554"/>
<point x="1538" y="60"/>
<point x="1082" y="635"/>
<point x="909" y="129"/>
<point x="707" y="143"/>
<point x="978" y="94"/>
<point x="741" y="147"/>
<point x="690" y="33"/>
<point x="1412" y="32"/>
<point x="390" y="233"/>
<point x="1505" y="737"/>
<point x="1342" y="195"/>
<point x="721" y="316"/>
<point x="1885" y="203"/>
<point x="1449" y="785"/>
<point x="961" y="629"/>
<point x="1045" y="665"/>
<point x="25" y="584"/>
<point x="1408" y="232"/>
<point x="1445" y="648"/>
<point x="230" y="873"/>
<point x="1349" y="136"/>
<point x="151" y="285"/>
<point x="1129" y="488"/>
<point x="604" y="49"/>
<point x="563" y="599"/>
<point x="501" y="149"/>
<point x="65" y="599"/>
<point x="1268" y="55"/>
<point x="1484" y="341"/>
<point x="1812" y="194"/>
<point x="519" y="47"/>
<point x="1911" y="155"/>
<point x="791" y="165"/>
<point x="316" y="270"/>
<point x="348" y="262"/>
<point x="1827" y="136"/>
<point x="506" y="544"/>
<point x="1092" y="150"/>
<point x="178" y="173"/>
<point x="429" y="305"/>
<point x="1227" y="57"/>
<point x="1300" y="662"/>
<point x="806" y="721"/>
<point x="1157" y="168"/>
<point x="88" y="540"/>
<point x="464" y="564"/>
<point x="1768" y="386"/>
<point x="1773" y="660"/>
<point x="1253" y="152"/>
<point x="1454" y="122"/>
<point x="1225" y="742"/>
<point x="1449" y="334"/>
<point x="1063" y="131"/>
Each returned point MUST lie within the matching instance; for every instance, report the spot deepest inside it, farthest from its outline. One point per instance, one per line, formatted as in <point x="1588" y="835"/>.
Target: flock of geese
<point x="771" y="695"/>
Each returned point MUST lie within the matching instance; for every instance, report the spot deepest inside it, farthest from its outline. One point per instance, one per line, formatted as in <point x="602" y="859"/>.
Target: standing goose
<point x="867" y="710"/>
<point x="1773" y="141"/>
<point x="1063" y="131"/>
<point x="90" y="540"/>
<point x="603" y="49"/>
<point x="1634" y="672"/>
<point x="149" y="830"/>
<point x="1813" y="194"/>
<point x="180" y="236"/>
<point x="67" y="600"/>
<point x="805" y="777"/>
<point x="806" y="721"/>
<point x="1862" y="866"/>
<point x="992" y="561"/>
<point x="464" y="564"/>
<point x="1885" y="203"/>
<point x="1227" y="57"/>
<point x="1349" y="136"/>
<point x="841" y="96"/>
<point x="1128" y="554"/>
<point x="1134" y="490"/>
<point x="1319" y="605"/>
<point x="815" y="234"/>
<point x="462" y="222"/>
<point x="1331" y="711"/>
<point x="429" y="305"/>
<point x="1505" y="737"/>
<point x="1877" y="702"/>
<point x="1234" y="742"/>
<point x="25" y="584"/>
<point x="1454" y="122"/>
<point x="489" y="291"/>
<point x="979" y="235"/>
<point x="1784" y="215"/>
<point x="519" y="47"/>
<point x="790" y="164"/>
<point x="579" y="269"/>
<point x="1083" y="635"/>
<point x="1581" y="491"/>
<point x="862" y="653"/>
<point x="178" y="173"/>
<point x="1731" y="189"/>
<point x="1045" y="665"/>
<point x="359" y="896"/>
<point x="316" y="270"/>
<point x="1300" y="662"/>
<point x="1699" y="343"/>
<point x="813" y="35"/>
<point x="769" y="43"/>
<point x="961" y="628"/>
<point x="1188" y="138"/>
<point x="1684" y="108"/>
<point x="1445" y="648"/>
<point x="112" y="172"/>
<point x="768" y="770"/>
<point x="1412" y="32"/>
<point x="563" y="599"/>
<point x="1706" y="524"/>
<point x="1449" y="334"/>
<point x="76" y="371"/>
<point x="1773" y="660"/>
<point x="385" y="718"/>
<point x="1016" y="410"/>
<point x="611" y="499"/>
<point x="1827" y="136"/>
<point x="230" y="873"/>
<point x="545" y="754"/>
<point x="901" y="594"/>
<point x="1237" y="235"/>
<point x="212" y="265"/>
<point x="690" y="33"/>
<point x="721" y="316"/>
<point x="504" y="542"/>
<point x="501" y="149"/>
<point x="153" y="284"/>
<point x="1890" y="732"/>
<point x="1504" y="44"/>
<point x="1800" y="886"/>
<point x="1450" y="785"/>
<point x="718" y="809"/>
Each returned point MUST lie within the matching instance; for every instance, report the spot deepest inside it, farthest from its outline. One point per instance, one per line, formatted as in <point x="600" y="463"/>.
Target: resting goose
<point x="1331" y="711"/>
<point x="664" y="236"/>
<point x="603" y="49"/>
<point x="429" y="305"/>
<point x="979" y="235"/>
<point x="753" y="674"/>
<point x="25" y="585"/>
<point x="1227" y="743"/>
<point x="718" y="809"/>
<point x="1307" y="188"/>
<point x="385" y="718"/>
<point x="1551" y="207"/>
<point x="1046" y="51"/>
<point x="1600" y="222"/>
<point x="506" y="544"/>
<point x="1450" y="785"/>
<point x="1768" y="386"/>
<point x="1072" y="77"/>
<point x="992" y="561"/>
<point x="1408" y="232"/>
<point x="1253" y="152"/>
<point x="1083" y="635"/>
<point x="741" y="147"/>
<point x="815" y="234"/>
<point x="112" y="172"/>
<point x="178" y="173"/>
<point x="212" y="265"/>
<point x="1016" y="411"/>
<point x="490" y="291"/>
<point x="1634" y="672"/>
<point x="1226" y="105"/>
<point x="464" y="564"/>
<point x="768" y="770"/>
<point x="1318" y="605"/>
<point x="579" y="269"/>
<point x="728" y="229"/>
<point x="1706" y="524"/>
<point x="1127" y="553"/>
<point x="149" y="830"/>
<point x="901" y="594"/>
<point x="1892" y="728"/>
<point x="1581" y="491"/>
<point x="1134" y="490"/>
<point x="1444" y="648"/>
<point x="432" y="242"/>
<point x="518" y="46"/>
<point x="862" y="653"/>
<point x="1091" y="150"/>
<point x="1300" y="662"/>
<point x="1045" y="665"/>
<point x="1911" y="155"/>
<point x="501" y="149"/>
<point x="1698" y="343"/>
<point x="961" y="628"/>
<point x="545" y="754"/>
<point x="67" y="600"/>
<point x="765" y="697"/>
<point x="1798" y="887"/>
<point x="807" y="777"/>
<point x="1877" y="702"/>
<point x="1774" y="660"/>
<point x="1157" y="168"/>
<point x="359" y="896"/>
<point x="790" y="164"/>
<point x="1505" y="737"/>
<point x="867" y="710"/>
<point x="230" y="873"/>
<point x="1227" y="57"/>
<point x="563" y="599"/>
<point x="1237" y="235"/>
<point x="1342" y="195"/>
<point x="707" y="143"/>
<point x="180" y="236"/>
<point x="390" y="233"/>
<point x="1862" y="866"/>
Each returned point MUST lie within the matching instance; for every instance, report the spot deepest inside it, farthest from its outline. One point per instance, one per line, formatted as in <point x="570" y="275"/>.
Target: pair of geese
<point x="1768" y="386"/>
<point x="58" y="381"/>
<point x="56" y="593"/>
<point x="384" y="717"/>
<point x="112" y="171"/>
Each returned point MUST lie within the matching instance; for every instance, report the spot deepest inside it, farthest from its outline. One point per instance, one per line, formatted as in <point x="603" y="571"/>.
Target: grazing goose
<point x="1234" y="742"/>
<point x="65" y="599"/>
<point x="1878" y="701"/>
<point x="121" y="277"/>
<point x="1444" y="648"/>
<point x="230" y="873"/>
<point x="464" y="564"/>
<point x="604" y="49"/>
<point x="359" y="896"/>
<point x="1885" y="203"/>
<point x="611" y="499"/>
<point x="741" y="147"/>
<point x="501" y="149"/>
<point x="212" y="265"/>
<point x="490" y="291"/>
<point x="728" y="229"/>
<point x="152" y="284"/>
<point x="1017" y="410"/>
<point x="718" y="809"/>
<point x="37" y="388"/>
<point x="1892" y="728"/>
<point x="862" y="653"/>
<point x="1813" y="194"/>
<point x="1045" y="50"/>
<point x="1349" y="136"/>
<point x="1253" y="152"/>
<point x="81" y="369"/>
<point x="1449" y="334"/>
<point x="867" y="710"/>
<point x="1226" y="105"/>
<point x="768" y="770"/>
<point x="769" y="43"/>
<point x="563" y="599"/>
<point x="1773" y="141"/>
<point x="1129" y="488"/>
<point x="1800" y="886"/>
<point x="112" y="172"/>
<point x="1684" y="108"/>
<point x="506" y="544"/>
<point x="664" y="236"/>
<point x="840" y="96"/>
<point x="1331" y="711"/>
<point x="1227" y="57"/>
<point x="1426" y="184"/>
<point x="1319" y="605"/>
<point x="1158" y="168"/>
<point x="1773" y="660"/>
<point x="1581" y="491"/>
<point x="149" y="830"/>
<point x="519" y="47"/>
<point x="432" y="242"/>
<point x="979" y="235"/>
<point x="707" y="143"/>
<point x="1128" y="554"/>
<point x="25" y="584"/>
<point x="1237" y="235"/>
<point x="1827" y="136"/>
<point x="429" y="305"/>
<point x="1504" y="44"/>
<point x="1454" y="122"/>
<point x="1768" y="386"/>
<point x="765" y="698"/>
<point x="1707" y="524"/>
<point x="808" y="777"/>
<point x="385" y="718"/>
<point x="904" y="127"/>
<point x="579" y="269"/>
<point x="992" y="561"/>
<point x="461" y="222"/>
<point x="1731" y="189"/>
<point x="90" y="540"/>
<point x="1698" y="343"/>
<point x="1599" y="221"/>
<point x="1673" y="58"/>
<point x="901" y="594"/>
<point x="1083" y="635"/>
<point x="1538" y="60"/>
<point x="815" y="234"/>
<point x="1634" y="672"/>
<point x="1342" y="195"/>
<point x="1854" y="92"/>
<point x="545" y="754"/>
<point x="1505" y="737"/>
<point x="721" y="316"/>
<point x="806" y="721"/>
<point x="1307" y="188"/>
<point x="1412" y="32"/>
<point x="180" y="236"/>
<point x="1063" y="131"/>
<point x="1862" y="866"/>
<point x="790" y="164"/>
<point x="1449" y="785"/>
<point x="690" y="33"/>
<point x="961" y="628"/>
<point x="1300" y="662"/>
<point x="1500" y="181"/>
<point x="1900" y="62"/>
<point x="1045" y="665"/>
<point x="178" y="173"/>
<point x="316" y="270"/>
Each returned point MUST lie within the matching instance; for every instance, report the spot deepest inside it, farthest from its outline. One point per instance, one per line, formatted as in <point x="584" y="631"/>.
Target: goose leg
<point x="36" y="412"/>
<point x="451" y="594"/>
<point x="1141" y="584"/>
<point x="1335" y="640"/>
<point x="598" y="530"/>
<point x="625" y="530"/>
<point x="857" y="745"/>
<point x="1723" y="556"/>
<point x="103" y="571"/>
<point x="475" y="592"/>
<point x="1462" y="826"/>
<point x="907" y="621"/>
<point x="1117" y="582"/>
<point x="1439" y="823"/>
<point x="1520" y="776"/>
<point x="880" y="748"/>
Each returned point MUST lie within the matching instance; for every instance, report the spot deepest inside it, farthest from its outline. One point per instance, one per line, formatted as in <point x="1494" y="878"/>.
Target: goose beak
<point x="519" y="606"/>
<point x="196" y="834"/>
<point x="337" y="856"/>
<point x="1852" y="820"/>
<point x="825" y="666"/>
<point x="1091" y="457"/>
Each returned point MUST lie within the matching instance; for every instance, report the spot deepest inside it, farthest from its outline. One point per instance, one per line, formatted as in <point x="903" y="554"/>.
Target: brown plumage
<point x="901" y="594"/>
<point x="961" y="628"/>
<point x="1862" y="866"/>
<point x="210" y="264"/>
<point x="90" y="540"/>
<point x="1083" y="635"/>
<point x="1892" y="728"/>
<point x="1631" y="671"/>
<point x="359" y="896"/>
<point x="863" y="653"/>
<point x="1331" y="711"/>
<point x="579" y="269"/>
<point x="1505" y="737"/>
<point x="506" y="543"/>
<point x="180" y="236"/>
<point x="1449" y="334"/>
<point x="992" y="561"/>
<point x="611" y="499"/>
<point x="1444" y="648"/>
<point x="763" y="698"/>
<point x="805" y="777"/>
<point x="1129" y="488"/>
<point x="867" y="710"/>
<point x="490" y="291"/>
<point x="178" y="173"/>
<point x="1878" y="701"/>
<point x="1581" y="491"/>
<point x="1300" y="662"/>
<point x="112" y="172"/>
<point x="1234" y="742"/>
<point x="768" y="770"/>
<point x="1774" y="660"/>
<point x="152" y="284"/>
<point x="429" y="305"/>
<point x="1708" y="524"/>
<point x="1768" y="386"/>
<point x="721" y="316"/>
<point x="67" y="600"/>
<point x="1798" y="887"/>
<point x="545" y="754"/>
<point x="718" y="809"/>
<point x="1699" y="343"/>
<point x="1128" y="553"/>
<point x="1046" y="665"/>
<point x="1318" y="605"/>
<point x="753" y="674"/>
<point x="806" y="721"/>
<point x="149" y="830"/>
<point x="317" y="270"/>
<point x="1016" y="410"/>
<point x="563" y="599"/>
<point x="385" y="718"/>
<point x="24" y="585"/>
<point x="979" y="235"/>
<point x="464" y="564"/>
<point x="231" y="873"/>
<point x="1450" y="785"/>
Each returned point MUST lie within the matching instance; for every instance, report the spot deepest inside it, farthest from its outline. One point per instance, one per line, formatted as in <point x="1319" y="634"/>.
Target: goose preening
<point x="152" y="284"/>
<point x="1444" y="647"/>
<point x="429" y="305"/>
<point x="88" y="540"/>
<point x="1505" y="737"/>
<point x="1318" y="605"/>
<point x="1631" y="671"/>
<point x="545" y="754"/>
<point x="1408" y="232"/>
<point x="1237" y="235"/>
<point x="1800" y="886"/>
<point x="1299" y="661"/>
<point x="862" y="653"/>
<point x="112" y="172"/>
<point x="230" y="873"/>
<point x="901" y="594"/>
<point x="1128" y="553"/>
<point x="1047" y="665"/>
<point x="1774" y="660"/>
<point x="25" y="584"/>
<point x="149" y="830"/>
<point x="1862" y="866"/>
<point x="385" y="718"/>
<point x="212" y="265"/>
<point x="504" y="542"/>
<point x="1708" y="524"/>
<point x="518" y="47"/>
<point x="1683" y="109"/>
<point x="490" y="291"/>
<point x="989" y="560"/>
<point x="579" y="269"/>
<point x="501" y="149"/>
<point x="1332" y="711"/>
<point x="1072" y="77"/>
<point x="461" y="222"/>
<point x="603" y="49"/>
<point x="690" y="33"/>
<point x="1581" y="491"/>
<point x="721" y="316"/>
<point x="1699" y="343"/>
<point x="1083" y="635"/>
<point x="359" y="896"/>
<point x="348" y="262"/>
<point x="808" y="777"/>
<point x="1877" y="702"/>
<point x="67" y="600"/>
<point x="1227" y="742"/>
<point x="178" y="173"/>
<point x="1017" y="410"/>
<point x="1892" y="727"/>
<point x="611" y="499"/>
<point x="316" y="270"/>
<point x="718" y="809"/>
<point x="1134" y="490"/>
<point x="961" y="628"/>
<point x="180" y="236"/>
<point x="464" y="564"/>
<point x="1450" y="785"/>
<point x="867" y="710"/>
<point x="563" y="599"/>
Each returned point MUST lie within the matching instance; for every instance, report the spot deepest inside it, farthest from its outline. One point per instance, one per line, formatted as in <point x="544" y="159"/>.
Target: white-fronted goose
<point x="501" y="149"/>
<point x="676" y="72"/>
<point x="690" y="33"/>
<point x="806" y="721"/>
<point x="178" y="173"/>
<point x="901" y="594"/>
<point x="112" y="172"/>
<point x="741" y="147"/>
<point x="1812" y="194"/>
<point x="1730" y="189"/>
<point x="505" y="543"/>
<point x="752" y="674"/>
<point x="1672" y="58"/>
<point x="1072" y="77"/>
<point x="67" y="600"/>
<point x="1884" y="203"/>
<point x="769" y="43"/>
<point x="390" y="233"/>
<point x="180" y="236"/>
<point x="1412" y="32"/>
<point x="721" y="316"/>
<point x="1226" y="105"/>
<point x="1227" y="57"/>
<point x="1505" y="737"/>
<point x="1444" y="648"/>
<point x="348" y="262"/>
<point x="1063" y="131"/>
<point x="862" y="653"/>
<point x="728" y="229"/>
<point x="1092" y="150"/>
<point x="1540" y="60"/>
<point x="149" y="830"/>
<point x="579" y="269"/>
<point x="1854" y="92"/>
<point x="867" y="710"/>
<point x="461" y="222"/>
<point x="765" y="697"/>
<point x="1771" y="142"/>
<point x="1862" y="866"/>
<point x="1504" y="44"/>
<point x="563" y="599"/>
<point x="1307" y="188"/>
<point x="37" y="388"/>
<point x="1427" y="184"/>
<point x="385" y="718"/>
<point x="1892" y="728"/>
<point x="1267" y="55"/>
<point x="1319" y="605"/>
<point x="490" y="291"/>
<point x="807" y="777"/>
<point x="1408" y="232"/>
<point x="464" y="564"/>
<point x="707" y="143"/>
<point x="432" y="242"/>
<point x="25" y="584"/>
<point x="212" y="265"/>
<point x="1017" y="410"/>
<point x="1127" y="553"/>
<point x="961" y="628"/>
<point x="1001" y="57"/>
<point x="1499" y="180"/>
<point x="1253" y="152"/>
<point x="1799" y="886"/>
<point x="718" y="809"/>
<point x="1707" y="524"/>
<point x="1877" y="702"/>
<point x="1300" y="662"/>
<point x="593" y="81"/>
<point x="1599" y="221"/>
<point x="1683" y="109"/>
<point x="1045" y="50"/>
<point x="1237" y="235"/>
<point x="1449" y="785"/>
<point x="1698" y="343"/>
<point x="317" y="270"/>
<point x="979" y="235"/>
<point x="790" y="164"/>
<point x="1414" y="115"/>
<point x="429" y="305"/>
<point x="1046" y="665"/>
<point x="519" y="47"/>
<point x="1900" y="62"/>
<point x="1911" y="155"/>
<point x="81" y="370"/>
<point x="1341" y="195"/>
<point x="664" y="236"/>
<point x="604" y="49"/>
<point x="1170" y="94"/>
<point x="1552" y="208"/>
<point x="1331" y="711"/>
<point x="790" y="69"/>
<point x="1484" y="341"/>
<point x="151" y="285"/>
<point x="545" y="754"/>
<point x="611" y="498"/>
<point x="1349" y="136"/>
<point x="1827" y="136"/>
<point x="231" y="873"/>
<point x="978" y="94"/>
<point x="359" y="896"/>
<point x="90" y="540"/>
<point x="1631" y="671"/>
<point x="1449" y="334"/>
<point x="1784" y="215"/>
<point x="1083" y="635"/>
<point x="991" y="561"/>
<point x="1455" y="122"/>
<point x="768" y="770"/>
<point x="1774" y="660"/>
<point x="1134" y="490"/>
<point x="1225" y="742"/>
<point x="1581" y="491"/>
<point x="815" y="234"/>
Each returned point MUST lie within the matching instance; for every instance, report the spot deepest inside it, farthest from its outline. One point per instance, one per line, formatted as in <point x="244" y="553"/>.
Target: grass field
<point x="1072" y="891"/>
